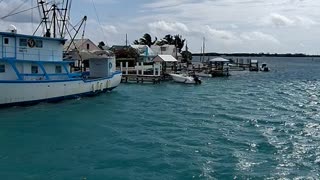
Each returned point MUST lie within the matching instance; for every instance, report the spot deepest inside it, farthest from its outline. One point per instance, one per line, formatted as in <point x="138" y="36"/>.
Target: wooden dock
<point x="133" y="78"/>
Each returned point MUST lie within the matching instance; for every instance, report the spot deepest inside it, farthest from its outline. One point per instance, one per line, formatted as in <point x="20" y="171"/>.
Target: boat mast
<point x="64" y="18"/>
<point x="203" y="49"/>
<point x="54" y="18"/>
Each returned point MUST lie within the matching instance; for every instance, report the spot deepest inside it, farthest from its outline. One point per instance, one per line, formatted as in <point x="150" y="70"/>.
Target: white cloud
<point x="259" y="36"/>
<point x="305" y="21"/>
<point x="165" y="3"/>
<point x="278" y="20"/>
<point x="168" y="27"/>
<point x="110" y="29"/>
<point x="221" y="34"/>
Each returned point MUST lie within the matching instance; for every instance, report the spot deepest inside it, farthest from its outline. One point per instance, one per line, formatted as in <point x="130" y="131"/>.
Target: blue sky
<point x="275" y="26"/>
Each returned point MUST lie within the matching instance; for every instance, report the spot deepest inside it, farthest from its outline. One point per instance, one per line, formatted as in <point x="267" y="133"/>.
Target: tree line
<point x="169" y="39"/>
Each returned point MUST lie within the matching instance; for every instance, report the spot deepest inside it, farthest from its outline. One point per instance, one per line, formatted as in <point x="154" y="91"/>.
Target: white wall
<point x="9" y="73"/>
<point x="51" y="51"/>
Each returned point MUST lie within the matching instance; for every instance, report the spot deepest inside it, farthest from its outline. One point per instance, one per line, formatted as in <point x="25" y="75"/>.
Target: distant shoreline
<point x="254" y="55"/>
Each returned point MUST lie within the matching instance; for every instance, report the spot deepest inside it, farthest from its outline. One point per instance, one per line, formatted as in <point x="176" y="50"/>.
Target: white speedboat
<point x="32" y="69"/>
<point x="264" y="67"/>
<point x="184" y="78"/>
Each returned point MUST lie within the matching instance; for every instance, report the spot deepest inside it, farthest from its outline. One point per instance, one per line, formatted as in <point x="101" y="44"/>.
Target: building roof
<point x="164" y="58"/>
<point x="77" y="43"/>
<point x="118" y="47"/>
<point x="144" y="50"/>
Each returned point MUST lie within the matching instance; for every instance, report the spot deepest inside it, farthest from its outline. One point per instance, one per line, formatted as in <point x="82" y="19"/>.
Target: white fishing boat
<point x="184" y="78"/>
<point x="32" y="68"/>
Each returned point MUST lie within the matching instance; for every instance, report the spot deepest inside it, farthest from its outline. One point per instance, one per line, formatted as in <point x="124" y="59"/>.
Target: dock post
<point x="159" y="70"/>
<point x="121" y="67"/>
<point x="127" y="67"/>
<point x="154" y="70"/>
<point x="142" y="70"/>
<point x="137" y="68"/>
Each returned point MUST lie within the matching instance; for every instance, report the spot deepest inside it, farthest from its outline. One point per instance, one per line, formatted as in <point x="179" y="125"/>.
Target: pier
<point x="141" y="73"/>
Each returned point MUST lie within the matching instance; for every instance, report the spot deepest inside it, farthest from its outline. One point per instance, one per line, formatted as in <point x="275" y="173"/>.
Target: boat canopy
<point x="164" y="58"/>
<point x="219" y="59"/>
<point x="97" y="54"/>
<point x="254" y="61"/>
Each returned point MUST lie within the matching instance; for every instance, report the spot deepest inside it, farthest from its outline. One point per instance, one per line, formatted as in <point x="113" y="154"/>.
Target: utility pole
<point x="204" y="47"/>
<point x="126" y="40"/>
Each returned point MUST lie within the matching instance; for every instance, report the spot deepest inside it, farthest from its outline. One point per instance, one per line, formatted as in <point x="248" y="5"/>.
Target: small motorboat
<point x="264" y="67"/>
<point x="184" y="78"/>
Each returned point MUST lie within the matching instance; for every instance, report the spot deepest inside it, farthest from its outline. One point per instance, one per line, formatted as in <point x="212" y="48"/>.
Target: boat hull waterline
<point x="28" y="92"/>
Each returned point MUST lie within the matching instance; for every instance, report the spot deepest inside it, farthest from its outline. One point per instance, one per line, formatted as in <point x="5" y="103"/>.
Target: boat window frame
<point x="39" y="43"/>
<point x="6" y="40"/>
<point x="23" y="44"/>
<point x="58" y="69"/>
<point x="2" y="68"/>
<point x="34" y="69"/>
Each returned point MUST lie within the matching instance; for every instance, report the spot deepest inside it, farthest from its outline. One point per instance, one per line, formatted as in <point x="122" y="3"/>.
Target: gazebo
<point x="219" y="66"/>
<point x="166" y="60"/>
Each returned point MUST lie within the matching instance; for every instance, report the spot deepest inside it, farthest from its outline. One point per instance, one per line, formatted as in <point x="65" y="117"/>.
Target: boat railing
<point x="31" y="54"/>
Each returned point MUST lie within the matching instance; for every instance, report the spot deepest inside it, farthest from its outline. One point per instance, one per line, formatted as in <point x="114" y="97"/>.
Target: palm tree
<point x="176" y="40"/>
<point x="169" y="39"/>
<point x="101" y="44"/>
<point x="146" y="40"/>
<point x="179" y="42"/>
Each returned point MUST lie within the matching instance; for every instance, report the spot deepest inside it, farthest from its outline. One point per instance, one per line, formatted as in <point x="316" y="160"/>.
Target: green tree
<point x="101" y="44"/>
<point x="179" y="42"/>
<point x="126" y="53"/>
<point x="175" y="40"/>
<point x="186" y="56"/>
<point x="146" y="40"/>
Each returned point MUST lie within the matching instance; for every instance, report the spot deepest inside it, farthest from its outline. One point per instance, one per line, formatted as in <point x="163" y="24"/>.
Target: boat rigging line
<point x="96" y="12"/>
<point x="12" y="13"/>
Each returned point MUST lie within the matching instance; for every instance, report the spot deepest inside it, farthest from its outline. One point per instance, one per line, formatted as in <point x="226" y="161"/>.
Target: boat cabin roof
<point x="10" y="34"/>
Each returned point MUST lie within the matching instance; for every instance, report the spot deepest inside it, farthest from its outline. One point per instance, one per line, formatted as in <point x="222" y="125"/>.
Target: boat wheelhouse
<point x="29" y="58"/>
<point x="32" y="68"/>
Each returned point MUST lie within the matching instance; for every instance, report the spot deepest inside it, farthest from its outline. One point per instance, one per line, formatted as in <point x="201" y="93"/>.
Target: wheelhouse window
<point x="34" y="70"/>
<point x="23" y="42"/>
<point x="58" y="69"/>
<point x="6" y="40"/>
<point x="2" y="68"/>
<point x="39" y="44"/>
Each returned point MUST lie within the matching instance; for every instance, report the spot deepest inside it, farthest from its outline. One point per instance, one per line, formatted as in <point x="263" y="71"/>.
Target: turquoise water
<point x="247" y="126"/>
